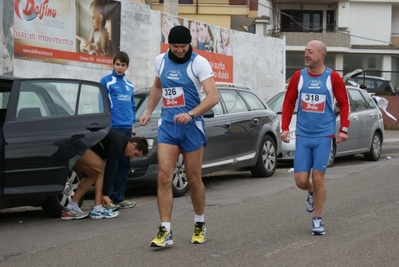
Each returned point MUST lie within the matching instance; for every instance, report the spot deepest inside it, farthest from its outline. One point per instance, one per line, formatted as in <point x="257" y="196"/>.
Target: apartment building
<point x="358" y="33"/>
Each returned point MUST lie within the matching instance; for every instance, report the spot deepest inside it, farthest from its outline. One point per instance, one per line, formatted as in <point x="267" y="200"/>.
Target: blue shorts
<point x="312" y="152"/>
<point x="189" y="137"/>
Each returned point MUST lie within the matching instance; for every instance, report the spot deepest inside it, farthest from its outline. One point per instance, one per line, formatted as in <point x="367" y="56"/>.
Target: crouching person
<point x="98" y="164"/>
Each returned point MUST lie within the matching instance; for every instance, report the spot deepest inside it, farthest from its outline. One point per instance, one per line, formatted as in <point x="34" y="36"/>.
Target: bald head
<point x="318" y="45"/>
<point x="315" y="53"/>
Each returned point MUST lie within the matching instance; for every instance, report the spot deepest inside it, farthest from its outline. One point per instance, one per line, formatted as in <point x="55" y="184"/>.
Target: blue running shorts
<point x="189" y="137"/>
<point x="312" y="152"/>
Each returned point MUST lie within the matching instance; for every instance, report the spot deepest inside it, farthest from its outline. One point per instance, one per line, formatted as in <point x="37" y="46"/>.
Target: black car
<point x="45" y="125"/>
<point x="374" y="84"/>
<point x="243" y="132"/>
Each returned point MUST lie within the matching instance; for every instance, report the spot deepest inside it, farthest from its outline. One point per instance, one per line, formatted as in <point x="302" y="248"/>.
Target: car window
<point x="276" y="103"/>
<point x="369" y="100"/>
<point x="217" y="109"/>
<point x="378" y="84"/>
<point x="41" y="98"/>
<point x="141" y="101"/>
<point x="31" y="105"/>
<point x="388" y="87"/>
<point x="358" y="100"/>
<point x="4" y="96"/>
<point x="88" y="101"/>
<point x="252" y="100"/>
<point x="233" y="101"/>
<point x="368" y="82"/>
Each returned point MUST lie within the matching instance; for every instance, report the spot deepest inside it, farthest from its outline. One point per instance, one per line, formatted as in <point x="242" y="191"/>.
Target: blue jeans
<point x="117" y="189"/>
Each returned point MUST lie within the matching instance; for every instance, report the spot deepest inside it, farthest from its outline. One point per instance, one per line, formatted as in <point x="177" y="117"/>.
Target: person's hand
<point x="144" y="119"/>
<point x="182" y="118"/>
<point x="84" y="44"/>
<point x="285" y="136"/>
<point x="106" y="201"/>
<point x="341" y="137"/>
<point x="99" y="50"/>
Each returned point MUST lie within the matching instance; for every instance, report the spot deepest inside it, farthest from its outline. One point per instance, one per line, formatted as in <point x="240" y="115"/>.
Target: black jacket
<point x="111" y="148"/>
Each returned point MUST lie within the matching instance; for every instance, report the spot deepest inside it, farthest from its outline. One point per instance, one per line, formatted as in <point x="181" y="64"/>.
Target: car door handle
<point x="95" y="127"/>
<point x="256" y="120"/>
<point x="355" y="118"/>
<point x="372" y="115"/>
<point x="227" y="124"/>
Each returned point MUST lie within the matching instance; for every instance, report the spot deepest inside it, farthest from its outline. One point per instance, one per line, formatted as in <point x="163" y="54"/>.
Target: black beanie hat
<point x="179" y="35"/>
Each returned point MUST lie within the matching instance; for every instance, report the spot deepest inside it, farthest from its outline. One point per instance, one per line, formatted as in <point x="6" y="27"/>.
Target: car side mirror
<point x="209" y="114"/>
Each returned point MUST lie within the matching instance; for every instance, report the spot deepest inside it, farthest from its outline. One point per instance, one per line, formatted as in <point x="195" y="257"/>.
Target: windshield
<point x="141" y="101"/>
<point x="276" y="103"/>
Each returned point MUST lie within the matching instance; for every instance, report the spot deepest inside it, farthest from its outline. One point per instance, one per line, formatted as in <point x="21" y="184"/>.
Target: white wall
<point x="395" y="21"/>
<point x="370" y="21"/>
<point x="258" y="61"/>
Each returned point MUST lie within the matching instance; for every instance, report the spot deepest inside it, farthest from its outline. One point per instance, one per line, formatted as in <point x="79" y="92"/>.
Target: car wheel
<point x="375" y="149"/>
<point x="53" y="205"/>
<point x="179" y="183"/>
<point x="331" y="158"/>
<point x="267" y="158"/>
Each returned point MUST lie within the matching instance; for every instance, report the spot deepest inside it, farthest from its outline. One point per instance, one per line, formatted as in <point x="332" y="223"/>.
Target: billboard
<point x="212" y="42"/>
<point x="67" y="31"/>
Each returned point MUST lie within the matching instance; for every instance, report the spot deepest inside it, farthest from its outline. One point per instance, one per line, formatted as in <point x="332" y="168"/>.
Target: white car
<point x="366" y="131"/>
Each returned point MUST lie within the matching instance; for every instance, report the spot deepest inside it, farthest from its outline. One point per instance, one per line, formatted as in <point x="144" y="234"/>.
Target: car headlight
<point x="150" y="143"/>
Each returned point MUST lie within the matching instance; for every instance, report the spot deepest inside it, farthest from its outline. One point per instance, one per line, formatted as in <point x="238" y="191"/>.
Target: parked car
<point x="366" y="131"/>
<point x="375" y="85"/>
<point x="242" y="132"/>
<point x="45" y="125"/>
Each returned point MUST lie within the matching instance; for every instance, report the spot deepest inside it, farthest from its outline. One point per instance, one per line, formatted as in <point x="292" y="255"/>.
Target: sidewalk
<point x="391" y="136"/>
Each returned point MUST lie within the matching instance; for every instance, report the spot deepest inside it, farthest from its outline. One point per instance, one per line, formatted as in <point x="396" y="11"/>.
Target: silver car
<point x="366" y="131"/>
<point x="242" y="133"/>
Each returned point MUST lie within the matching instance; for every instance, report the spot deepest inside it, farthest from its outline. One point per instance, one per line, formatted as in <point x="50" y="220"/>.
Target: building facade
<point x="33" y="47"/>
<point x="358" y="33"/>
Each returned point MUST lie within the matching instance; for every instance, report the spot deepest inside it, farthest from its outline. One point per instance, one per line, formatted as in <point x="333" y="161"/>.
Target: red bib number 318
<point x="313" y="103"/>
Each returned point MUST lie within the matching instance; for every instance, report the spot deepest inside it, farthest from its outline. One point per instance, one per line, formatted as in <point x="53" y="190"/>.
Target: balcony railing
<point x="330" y="39"/>
<point x="251" y="4"/>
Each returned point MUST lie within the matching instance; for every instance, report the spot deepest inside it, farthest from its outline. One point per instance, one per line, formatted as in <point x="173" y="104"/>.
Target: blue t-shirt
<point x="181" y="90"/>
<point x="315" y="116"/>
<point x="120" y="92"/>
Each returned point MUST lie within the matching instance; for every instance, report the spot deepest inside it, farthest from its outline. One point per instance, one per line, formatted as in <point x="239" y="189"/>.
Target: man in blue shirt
<point x="181" y="77"/>
<point x="120" y="93"/>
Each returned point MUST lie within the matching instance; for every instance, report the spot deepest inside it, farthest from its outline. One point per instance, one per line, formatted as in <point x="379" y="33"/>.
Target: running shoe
<point x="126" y="204"/>
<point x="163" y="238"/>
<point x="309" y="203"/>
<point x="114" y="207"/>
<point x="199" y="235"/>
<point x="73" y="214"/>
<point x="318" y="226"/>
<point x="104" y="213"/>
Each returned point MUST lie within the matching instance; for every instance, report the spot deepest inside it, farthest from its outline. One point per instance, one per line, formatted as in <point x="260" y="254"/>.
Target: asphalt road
<point x="250" y="222"/>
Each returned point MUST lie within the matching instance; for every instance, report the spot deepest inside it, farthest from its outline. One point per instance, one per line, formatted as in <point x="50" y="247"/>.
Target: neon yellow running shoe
<point x="199" y="235"/>
<point x="163" y="238"/>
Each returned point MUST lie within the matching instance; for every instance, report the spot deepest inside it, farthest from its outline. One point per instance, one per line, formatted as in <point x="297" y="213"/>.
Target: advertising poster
<point x="213" y="43"/>
<point x="67" y="31"/>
